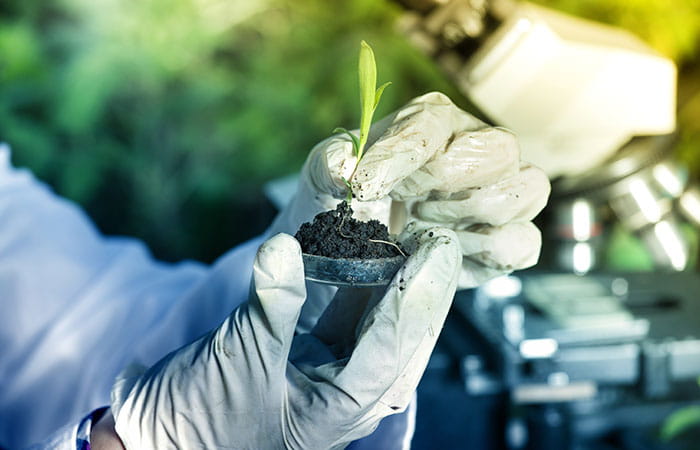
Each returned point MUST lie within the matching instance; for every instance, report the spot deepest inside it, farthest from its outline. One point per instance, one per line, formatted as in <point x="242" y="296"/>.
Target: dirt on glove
<point x="336" y="234"/>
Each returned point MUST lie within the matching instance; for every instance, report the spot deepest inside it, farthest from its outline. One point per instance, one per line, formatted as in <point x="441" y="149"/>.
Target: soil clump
<point x="336" y="234"/>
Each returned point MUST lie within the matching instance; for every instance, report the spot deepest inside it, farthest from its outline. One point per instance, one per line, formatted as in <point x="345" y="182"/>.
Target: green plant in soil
<point x="370" y="95"/>
<point x="336" y="233"/>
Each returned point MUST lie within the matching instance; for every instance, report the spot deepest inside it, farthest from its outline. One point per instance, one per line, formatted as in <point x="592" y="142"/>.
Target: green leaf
<point x="369" y="99"/>
<point x="378" y="94"/>
<point x="368" y="81"/>
<point x="355" y="141"/>
<point x="680" y="421"/>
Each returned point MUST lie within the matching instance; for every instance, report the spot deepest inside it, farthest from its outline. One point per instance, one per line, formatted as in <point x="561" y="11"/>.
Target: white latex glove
<point x="430" y="163"/>
<point x="237" y="387"/>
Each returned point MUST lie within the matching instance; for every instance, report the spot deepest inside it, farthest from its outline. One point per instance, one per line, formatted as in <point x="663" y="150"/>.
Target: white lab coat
<point x="76" y="307"/>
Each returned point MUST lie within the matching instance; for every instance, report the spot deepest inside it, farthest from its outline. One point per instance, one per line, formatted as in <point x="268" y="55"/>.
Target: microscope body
<point x="588" y="103"/>
<point x="574" y="91"/>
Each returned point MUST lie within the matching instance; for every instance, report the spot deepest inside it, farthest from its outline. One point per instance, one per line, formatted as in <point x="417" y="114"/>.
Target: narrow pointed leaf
<point x="355" y="141"/>
<point x="378" y="94"/>
<point x="368" y="81"/>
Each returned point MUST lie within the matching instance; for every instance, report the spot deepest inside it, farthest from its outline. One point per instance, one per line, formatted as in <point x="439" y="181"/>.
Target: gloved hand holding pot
<point x="310" y="366"/>
<point x="429" y="164"/>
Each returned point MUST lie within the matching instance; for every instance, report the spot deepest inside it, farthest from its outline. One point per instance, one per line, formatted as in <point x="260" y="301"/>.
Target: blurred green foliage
<point x="680" y="421"/>
<point x="165" y="117"/>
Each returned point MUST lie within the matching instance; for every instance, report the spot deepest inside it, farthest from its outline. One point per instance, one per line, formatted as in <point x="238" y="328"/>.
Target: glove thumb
<point x="279" y="290"/>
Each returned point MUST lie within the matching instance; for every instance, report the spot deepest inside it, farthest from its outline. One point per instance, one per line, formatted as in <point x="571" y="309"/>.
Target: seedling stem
<point x="370" y="95"/>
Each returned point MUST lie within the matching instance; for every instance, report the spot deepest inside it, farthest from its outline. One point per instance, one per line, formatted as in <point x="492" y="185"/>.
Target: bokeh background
<point x="164" y="118"/>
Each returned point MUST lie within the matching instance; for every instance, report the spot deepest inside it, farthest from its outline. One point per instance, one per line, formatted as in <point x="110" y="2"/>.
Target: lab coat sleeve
<point x="72" y="437"/>
<point x="76" y="307"/>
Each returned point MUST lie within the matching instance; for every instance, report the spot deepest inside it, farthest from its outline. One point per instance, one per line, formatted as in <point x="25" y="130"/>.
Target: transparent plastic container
<point x="351" y="271"/>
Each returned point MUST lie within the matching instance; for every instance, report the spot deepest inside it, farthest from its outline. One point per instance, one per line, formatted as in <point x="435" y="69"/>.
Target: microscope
<point x="587" y="355"/>
<point x="592" y="105"/>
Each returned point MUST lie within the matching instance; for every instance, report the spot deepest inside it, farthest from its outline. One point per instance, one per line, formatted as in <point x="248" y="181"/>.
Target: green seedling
<point x="370" y="95"/>
<point x="369" y="99"/>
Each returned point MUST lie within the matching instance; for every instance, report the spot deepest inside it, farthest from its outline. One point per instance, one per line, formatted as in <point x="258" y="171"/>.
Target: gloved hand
<point x="239" y="387"/>
<point x="430" y="163"/>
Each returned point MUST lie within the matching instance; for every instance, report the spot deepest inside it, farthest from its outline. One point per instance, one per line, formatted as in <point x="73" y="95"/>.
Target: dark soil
<point x="336" y="234"/>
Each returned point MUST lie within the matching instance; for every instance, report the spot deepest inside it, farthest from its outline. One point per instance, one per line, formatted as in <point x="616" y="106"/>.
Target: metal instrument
<point x="600" y="353"/>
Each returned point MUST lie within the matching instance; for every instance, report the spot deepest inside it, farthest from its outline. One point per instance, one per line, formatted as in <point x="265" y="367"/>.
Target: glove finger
<point x="399" y="333"/>
<point x="514" y="199"/>
<point x="471" y="159"/>
<point x="509" y="247"/>
<point x="475" y="274"/>
<point x="418" y="131"/>
<point x="333" y="160"/>
<point x="279" y="293"/>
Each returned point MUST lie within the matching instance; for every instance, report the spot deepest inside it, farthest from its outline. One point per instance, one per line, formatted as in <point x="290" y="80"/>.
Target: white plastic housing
<point x="574" y="91"/>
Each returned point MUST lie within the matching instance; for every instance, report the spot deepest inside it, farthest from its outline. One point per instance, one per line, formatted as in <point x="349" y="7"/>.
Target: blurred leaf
<point x="626" y="252"/>
<point x="20" y="52"/>
<point x="680" y="421"/>
<point x="88" y="85"/>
